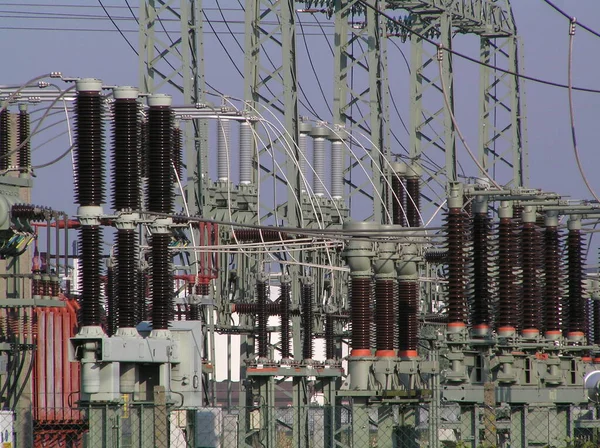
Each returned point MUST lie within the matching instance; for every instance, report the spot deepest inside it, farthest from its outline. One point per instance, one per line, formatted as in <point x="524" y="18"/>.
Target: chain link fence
<point x="352" y="424"/>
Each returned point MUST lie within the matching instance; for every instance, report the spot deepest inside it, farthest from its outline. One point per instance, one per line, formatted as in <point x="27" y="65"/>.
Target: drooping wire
<point x="116" y="26"/>
<point x="572" y="28"/>
<point x="473" y="60"/>
<point x="569" y="17"/>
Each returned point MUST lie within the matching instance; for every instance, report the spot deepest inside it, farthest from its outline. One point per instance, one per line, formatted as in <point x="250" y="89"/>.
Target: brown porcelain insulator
<point x="508" y="306"/>
<point x="306" y="297"/>
<point x="408" y="315"/>
<point x="532" y="266"/>
<point x="384" y="314"/>
<point x="596" y="311"/>
<point x="457" y="297"/>
<point x="284" y="306"/>
<point x="553" y="280"/>
<point x="360" y="313"/>
<point x="262" y="317"/>
<point x="257" y="236"/>
<point x="329" y="337"/>
<point x="398" y="200"/>
<point x="436" y="256"/>
<point x="481" y="285"/>
<point x="576" y="298"/>
<point x="413" y="201"/>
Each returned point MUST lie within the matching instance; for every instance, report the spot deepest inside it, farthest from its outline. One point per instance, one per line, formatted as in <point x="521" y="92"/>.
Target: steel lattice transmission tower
<point x="177" y="60"/>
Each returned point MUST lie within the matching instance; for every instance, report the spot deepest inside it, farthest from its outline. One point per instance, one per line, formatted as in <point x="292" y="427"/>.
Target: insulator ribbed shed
<point x="306" y="296"/>
<point x="24" y="142"/>
<point x="126" y="152"/>
<point x="577" y="310"/>
<point x="319" y="135"/>
<point x="160" y="200"/>
<point x="480" y="293"/>
<point x="337" y="169"/>
<point x="262" y="336"/>
<point x="4" y="137"/>
<point x="245" y="152"/>
<point x="177" y="155"/>
<point x="160" y="186"/>
<point x="457" y="297"/>
<point x="285" y="319"/>
<point x="89" y="192"/>
<point x="89" y="145"/>
<point x="553" y="276"/>
<point x="223" y="148"/>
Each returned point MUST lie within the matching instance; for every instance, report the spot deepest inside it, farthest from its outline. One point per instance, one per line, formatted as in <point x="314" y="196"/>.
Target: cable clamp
<point x="572" y="26"/>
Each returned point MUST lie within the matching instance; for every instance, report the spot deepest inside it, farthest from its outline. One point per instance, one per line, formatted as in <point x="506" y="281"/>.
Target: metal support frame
<point x="177" y="61"/>
<point x="361" y="79"/>
<point x="431" y="126"/>
<point x="502" y="131"/>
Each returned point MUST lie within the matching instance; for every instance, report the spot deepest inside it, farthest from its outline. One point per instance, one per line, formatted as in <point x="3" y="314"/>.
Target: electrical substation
<point x="245" y="273"/>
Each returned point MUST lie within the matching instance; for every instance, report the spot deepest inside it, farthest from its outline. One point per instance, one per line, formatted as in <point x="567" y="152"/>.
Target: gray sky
<point x="104" y="54"/>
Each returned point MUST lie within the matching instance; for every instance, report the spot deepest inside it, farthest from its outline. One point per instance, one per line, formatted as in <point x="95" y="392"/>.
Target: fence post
<point x="161" y="418"/>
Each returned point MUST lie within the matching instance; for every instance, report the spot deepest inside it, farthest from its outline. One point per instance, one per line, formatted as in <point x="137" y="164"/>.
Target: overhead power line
<point x="569" y="17"/>
<point x="475" y="61"/>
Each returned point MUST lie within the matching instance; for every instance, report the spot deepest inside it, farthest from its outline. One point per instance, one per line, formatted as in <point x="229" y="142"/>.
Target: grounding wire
<point x="572" y="28"/>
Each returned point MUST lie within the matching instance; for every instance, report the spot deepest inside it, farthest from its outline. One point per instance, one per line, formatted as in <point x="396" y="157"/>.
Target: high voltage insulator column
<point x="177" y="155"/>
<point x="111" y="298"/>
<point x="160" y="200"/>
<point x="337" y="162"/>
<point x="126" y="202"/>
<point x="385" y="292"/>
<point x="398" y="193"/>
<point x="455" y="236"/>
<point x="596" y="316"/>
<point x="456" y="228"/>
<point x="285" y="317"/>
<point x="319" y="134"/>
<point x="508" y="319"/>
<point x="385" y="310"/>
<point x="481" y="297"/>
<point x="246" y="153"/>
<point x="408" y="302"/>
<point x="576" y="300"/>
<point x="262" y="317"/>
<point x="304" y="128"/>
<point x="4" y="137"/>
<point x="413" y="195"/>
<point x="307" y="301"/>
<point x="24" y="142"/>
<point x="552" y="277"/>
<point x="532" y="266"/>
<point x="223" y="149"/>
<point x="358" y="254"/>
<point x="89" y="194"/>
